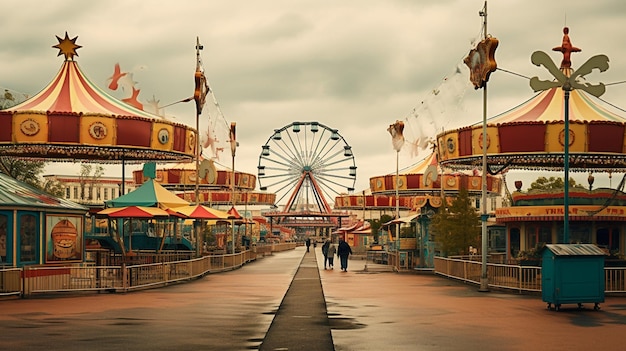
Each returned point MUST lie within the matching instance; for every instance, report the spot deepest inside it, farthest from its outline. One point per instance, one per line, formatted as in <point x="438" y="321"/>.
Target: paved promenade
<point x="365" y="311"/>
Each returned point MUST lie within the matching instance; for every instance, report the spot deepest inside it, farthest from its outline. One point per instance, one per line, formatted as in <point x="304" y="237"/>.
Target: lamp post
<point x="484" y="280"/>
<point x="233" y="149"/>
<point x="568" y="81"/>
<point x="199" y="96"/>
<point x="482" y="63"/>
<point x="397" y="140"/>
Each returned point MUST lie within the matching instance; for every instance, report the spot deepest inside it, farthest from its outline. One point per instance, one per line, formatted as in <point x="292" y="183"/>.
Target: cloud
<point x="356" y="66"/>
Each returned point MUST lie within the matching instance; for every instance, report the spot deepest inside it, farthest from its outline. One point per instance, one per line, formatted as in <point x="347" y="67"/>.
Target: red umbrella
<point x="234" y="213"/>
<point x="133" y="212"/>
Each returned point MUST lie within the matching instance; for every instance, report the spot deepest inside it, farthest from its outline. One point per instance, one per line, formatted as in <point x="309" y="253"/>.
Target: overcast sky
<point x="354" y="65"/>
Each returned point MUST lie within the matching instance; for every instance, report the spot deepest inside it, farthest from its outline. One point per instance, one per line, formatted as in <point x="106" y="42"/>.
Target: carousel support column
<point x="422" y="233"/>
<point x="566" y="89"/>
<point x="122" y="189"/>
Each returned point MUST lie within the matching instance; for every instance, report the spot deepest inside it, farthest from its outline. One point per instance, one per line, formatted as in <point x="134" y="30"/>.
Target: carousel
<point x="214" y="184"/>
<point x="73" y="120"/>
<point x="420" y="191"/>
<point x="564" y="127"/>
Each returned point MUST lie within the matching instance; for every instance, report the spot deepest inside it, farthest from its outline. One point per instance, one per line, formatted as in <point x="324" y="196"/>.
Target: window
<point x="536" y="235"/>
<point x="514" y="236"/>
<point x="106" y="193"/>
<point x="608" y="238"/>
<point x="4" y="228"/>
<point x="75" y="192"/>
<point x="28" y="238"/>
<point x="67" y="193"/>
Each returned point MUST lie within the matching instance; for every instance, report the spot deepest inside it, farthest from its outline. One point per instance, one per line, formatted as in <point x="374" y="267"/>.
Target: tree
<point x="53" y="187"/>
<point x="86" y="176"/>
<point x="22" y="170"/>
<point x="457" y="226"/>
<point x="377" y="223"/>
<point x="553" y="183"/>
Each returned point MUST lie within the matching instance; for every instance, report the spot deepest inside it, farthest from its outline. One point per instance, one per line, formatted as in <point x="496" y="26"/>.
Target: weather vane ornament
<point x="564" y="77"/>
<point x="397" y="139"/>
<point x="481" y="61"/>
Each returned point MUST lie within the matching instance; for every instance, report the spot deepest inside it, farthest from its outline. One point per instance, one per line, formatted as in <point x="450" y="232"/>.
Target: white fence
<point x="84" y="277"/>
<point x="515" y="277"/>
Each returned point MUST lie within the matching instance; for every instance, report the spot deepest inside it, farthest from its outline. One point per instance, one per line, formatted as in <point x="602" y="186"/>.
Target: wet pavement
<point x="366" y="311"/>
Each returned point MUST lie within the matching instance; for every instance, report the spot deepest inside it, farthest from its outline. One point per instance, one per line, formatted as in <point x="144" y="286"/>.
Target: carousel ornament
<point x="67" y="47"/>
<point x="201" y="84"/>
<point x="481" y="61"/>
<point x="397" y="138"/>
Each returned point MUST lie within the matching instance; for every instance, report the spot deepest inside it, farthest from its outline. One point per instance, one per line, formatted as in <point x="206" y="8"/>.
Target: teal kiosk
<point x="572" y="274"/>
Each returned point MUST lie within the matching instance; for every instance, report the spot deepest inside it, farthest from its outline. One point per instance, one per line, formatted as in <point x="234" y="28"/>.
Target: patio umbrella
<point x="401" y="220"/>
<point x="133" y="212"/>
<point x="150" y="194"/>
<point x="202" y="212"/>
<point x="234" y="213"/>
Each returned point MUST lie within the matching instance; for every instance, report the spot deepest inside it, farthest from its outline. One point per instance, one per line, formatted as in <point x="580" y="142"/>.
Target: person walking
<point x="325" y="251"/>
<point x="308" y="244"/>
<point x="343" y="251"/>
<point x="331" y="254"/>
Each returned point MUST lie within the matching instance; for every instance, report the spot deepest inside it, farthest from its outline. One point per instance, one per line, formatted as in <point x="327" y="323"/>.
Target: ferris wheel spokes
<point x="309" y="158"/>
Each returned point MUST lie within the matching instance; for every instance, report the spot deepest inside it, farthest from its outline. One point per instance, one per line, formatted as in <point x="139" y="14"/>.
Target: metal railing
<point x="515" y="277"/>
<point x="85" y="277"/>
<point x="10" y="281"/>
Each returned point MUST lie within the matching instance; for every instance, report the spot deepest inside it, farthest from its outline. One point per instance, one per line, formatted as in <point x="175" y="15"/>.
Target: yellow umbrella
<point x="202" y="212"/>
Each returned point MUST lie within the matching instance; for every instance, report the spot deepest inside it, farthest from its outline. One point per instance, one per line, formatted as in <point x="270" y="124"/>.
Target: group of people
<point x="343" y="250"/>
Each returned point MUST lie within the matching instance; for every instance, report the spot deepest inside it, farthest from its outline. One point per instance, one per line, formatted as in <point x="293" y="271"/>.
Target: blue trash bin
<point x="572" y="274"/>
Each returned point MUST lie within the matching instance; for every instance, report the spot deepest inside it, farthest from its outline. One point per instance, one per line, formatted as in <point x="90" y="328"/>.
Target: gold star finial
<point x="67" y="47"/>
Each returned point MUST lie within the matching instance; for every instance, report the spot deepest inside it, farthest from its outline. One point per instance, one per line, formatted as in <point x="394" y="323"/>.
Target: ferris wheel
<point x="310" y="163"/>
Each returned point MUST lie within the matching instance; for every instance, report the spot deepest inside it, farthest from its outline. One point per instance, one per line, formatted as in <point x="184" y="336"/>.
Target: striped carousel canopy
<point x="72" y="118"/>
<point x="548" y="106"/>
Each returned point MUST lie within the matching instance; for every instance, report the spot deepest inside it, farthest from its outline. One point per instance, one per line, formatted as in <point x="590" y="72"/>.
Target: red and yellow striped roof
<point x="71" y="92"/>
<point x="549" y="106"/>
